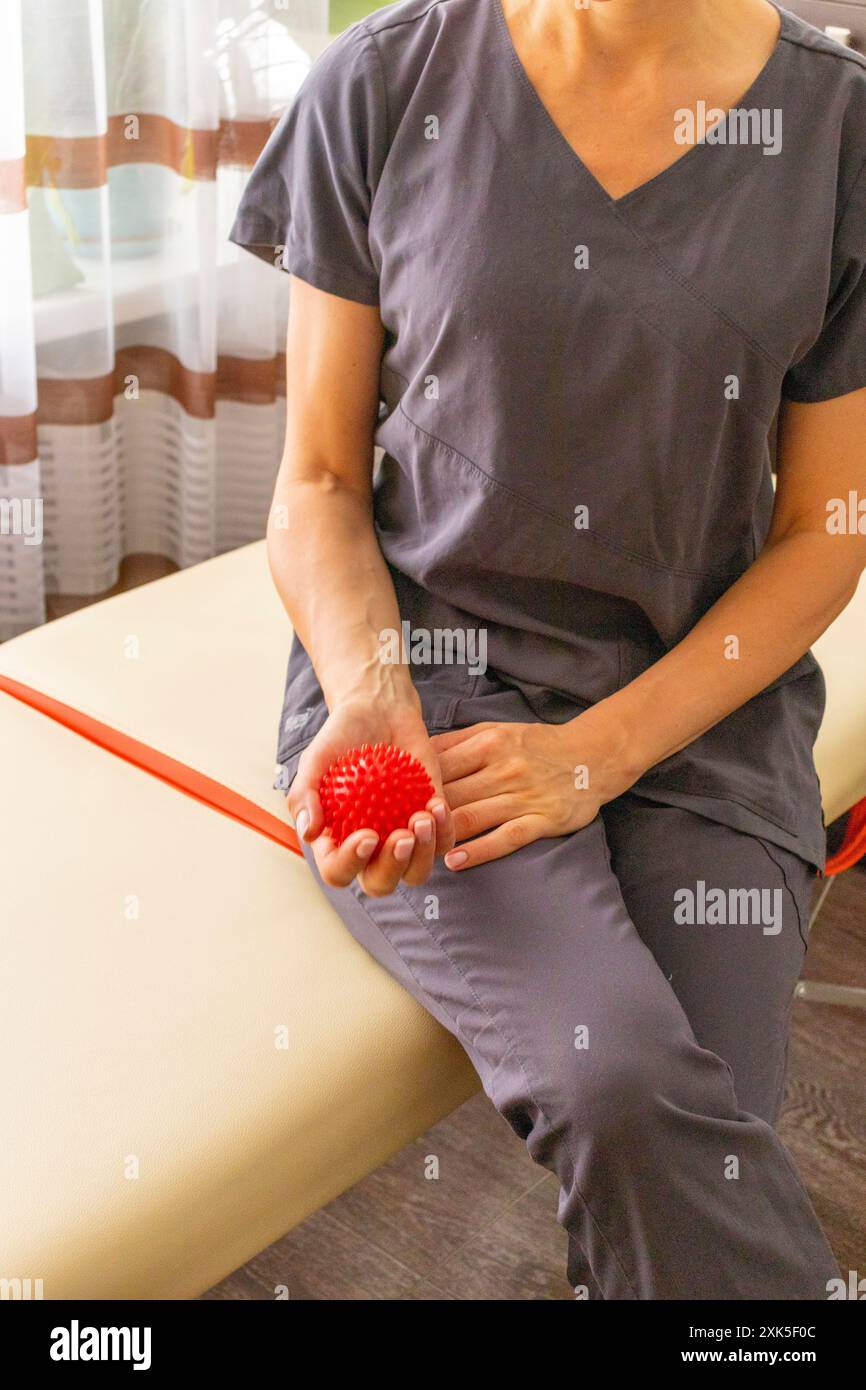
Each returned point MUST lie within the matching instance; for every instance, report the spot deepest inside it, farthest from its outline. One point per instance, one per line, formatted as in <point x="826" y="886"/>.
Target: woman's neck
<point x="613" y="39"/>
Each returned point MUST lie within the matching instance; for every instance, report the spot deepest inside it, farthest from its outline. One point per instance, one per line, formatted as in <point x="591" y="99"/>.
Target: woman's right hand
<point x="406" y="854"/>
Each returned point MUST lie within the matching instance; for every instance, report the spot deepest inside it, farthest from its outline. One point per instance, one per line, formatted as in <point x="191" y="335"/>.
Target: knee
<point x="621" y="1087"/>
<point x="615" y="1098"/>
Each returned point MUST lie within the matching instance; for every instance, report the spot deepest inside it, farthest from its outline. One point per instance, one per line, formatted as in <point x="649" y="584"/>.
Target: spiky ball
<point x="376" y="787"/>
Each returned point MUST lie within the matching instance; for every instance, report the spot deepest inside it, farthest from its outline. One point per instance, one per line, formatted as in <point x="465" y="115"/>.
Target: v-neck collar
<point x="568" y="156"/>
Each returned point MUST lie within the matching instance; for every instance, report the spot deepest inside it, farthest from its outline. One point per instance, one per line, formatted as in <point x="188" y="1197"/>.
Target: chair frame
<point x="851" y="850"/>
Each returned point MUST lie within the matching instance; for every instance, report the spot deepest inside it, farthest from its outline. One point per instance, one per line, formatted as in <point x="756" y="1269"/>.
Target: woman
<point x="564" y="264"/>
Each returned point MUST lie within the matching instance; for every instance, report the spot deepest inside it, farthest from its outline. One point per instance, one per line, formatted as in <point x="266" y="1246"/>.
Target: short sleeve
<point x="836" y="362"/>
<point x="306" y="206"/>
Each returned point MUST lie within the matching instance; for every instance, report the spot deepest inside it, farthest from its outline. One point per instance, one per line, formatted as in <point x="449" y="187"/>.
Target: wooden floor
<point x="486" y="1228"/>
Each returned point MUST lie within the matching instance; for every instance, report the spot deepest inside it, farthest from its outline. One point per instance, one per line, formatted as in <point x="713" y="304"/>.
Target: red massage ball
<point x="375" y="787"/>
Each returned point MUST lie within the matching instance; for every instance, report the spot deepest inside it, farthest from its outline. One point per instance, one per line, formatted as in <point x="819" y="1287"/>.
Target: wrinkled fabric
<point x="637" y="1050"/>
<point x="577" y="392"/>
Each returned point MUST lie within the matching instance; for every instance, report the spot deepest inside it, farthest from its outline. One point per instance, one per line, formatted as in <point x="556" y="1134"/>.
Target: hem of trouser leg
<point x="834" y="1265"/>
<point x="510" y="1048"/>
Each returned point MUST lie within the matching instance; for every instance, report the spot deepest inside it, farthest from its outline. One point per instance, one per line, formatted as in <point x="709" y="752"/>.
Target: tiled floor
<point x="486" y="1228"/>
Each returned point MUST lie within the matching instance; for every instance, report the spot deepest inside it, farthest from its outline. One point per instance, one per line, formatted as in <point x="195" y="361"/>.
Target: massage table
<point x="195" y="1055"/>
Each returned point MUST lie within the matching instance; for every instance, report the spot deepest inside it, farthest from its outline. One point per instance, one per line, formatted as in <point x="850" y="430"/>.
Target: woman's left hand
<point x="525" y="782"/>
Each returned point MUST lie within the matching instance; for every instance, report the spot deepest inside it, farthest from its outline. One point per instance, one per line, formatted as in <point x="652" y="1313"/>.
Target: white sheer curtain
<point x="141" y="354"/>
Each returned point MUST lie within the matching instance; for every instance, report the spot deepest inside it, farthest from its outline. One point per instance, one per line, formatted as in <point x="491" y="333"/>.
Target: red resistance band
<point x="178" y="775"/>
<point x="221" y="798"/>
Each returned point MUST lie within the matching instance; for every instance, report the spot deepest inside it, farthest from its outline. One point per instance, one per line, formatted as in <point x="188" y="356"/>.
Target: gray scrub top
<point x="577" y="390"/>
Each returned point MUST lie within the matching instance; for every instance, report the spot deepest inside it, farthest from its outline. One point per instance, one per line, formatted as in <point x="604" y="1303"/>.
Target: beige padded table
<point x="195" y="1055"/>
<point x="840" y="753"/>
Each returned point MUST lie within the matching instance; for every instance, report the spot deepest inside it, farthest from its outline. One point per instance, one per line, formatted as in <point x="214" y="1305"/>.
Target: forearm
<point x="755" y="632"/>
<point x="332" y="578"/>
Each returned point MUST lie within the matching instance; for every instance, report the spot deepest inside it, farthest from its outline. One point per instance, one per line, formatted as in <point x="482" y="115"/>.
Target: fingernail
<point x="302" y="824"/>
<point x="455" y="857"/>
<point x="423" y="831"/>
<point x="403" y="849"/>
<point x="365" y="848"/>
<point x="439" y="812"/>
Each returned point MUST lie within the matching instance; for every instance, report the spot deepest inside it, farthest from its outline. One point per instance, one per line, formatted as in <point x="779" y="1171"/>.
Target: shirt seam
<point x="399" y="23"/>
<point x="253" y="224"/>
<point x="831" y="388"/>
<point x="370" y="36"/>
<point x="554" y="516"/>
<point x="846" y="56"/>
<point x="246" y="234"/>
<point x="762" y="812"/>
<point x="696" y="292"/>
<point x="338" y="272"/>
<point x="793" y="896"/>
<point x="855" y="185"/>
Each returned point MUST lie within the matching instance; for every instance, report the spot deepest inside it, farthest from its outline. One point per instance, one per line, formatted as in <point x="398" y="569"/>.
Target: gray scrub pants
<point x="640" y="1056"/>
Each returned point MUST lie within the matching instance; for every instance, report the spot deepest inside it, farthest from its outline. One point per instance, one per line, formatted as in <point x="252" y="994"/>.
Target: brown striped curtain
<point x="141" y="354"/>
